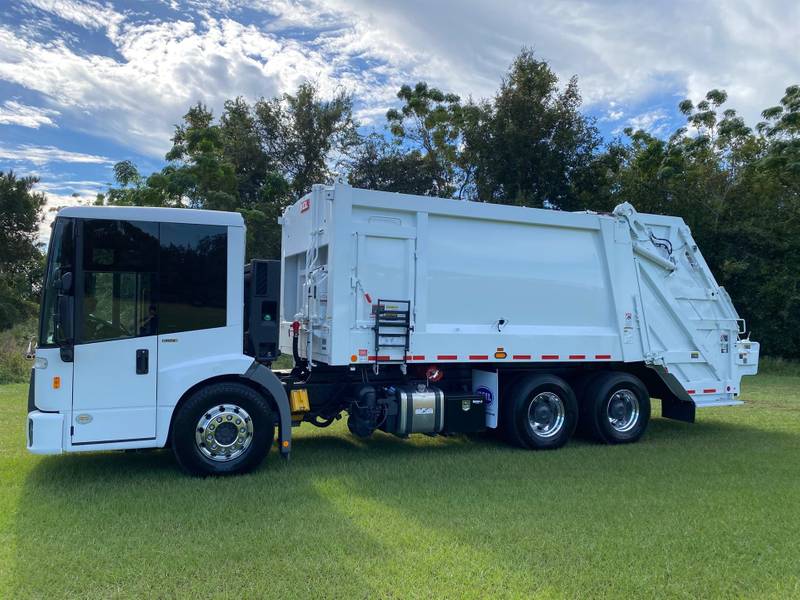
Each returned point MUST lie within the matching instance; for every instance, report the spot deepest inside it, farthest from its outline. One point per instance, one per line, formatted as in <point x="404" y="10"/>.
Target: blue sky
<point x="84" y="84"/>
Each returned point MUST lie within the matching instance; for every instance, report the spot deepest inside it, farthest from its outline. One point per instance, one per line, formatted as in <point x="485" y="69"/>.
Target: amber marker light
<point x="56" y="382"/>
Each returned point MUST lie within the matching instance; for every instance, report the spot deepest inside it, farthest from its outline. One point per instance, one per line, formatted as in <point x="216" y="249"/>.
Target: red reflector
<point x="419" y="357"/>
<point x="549" y="356"/>
<point x="690" y="391"/>
<point x="602" y="356"/>
<point x="577" y="356"/>
<point x="378" y="358"/>
<point x="479" y="357"/>
<point x="521" y="357"/>
<point x="710" y="391"/>
<point x="447" y="357"/>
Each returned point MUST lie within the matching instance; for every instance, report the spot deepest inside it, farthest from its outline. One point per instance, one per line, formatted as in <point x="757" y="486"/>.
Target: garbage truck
<point x="405" y="314"/>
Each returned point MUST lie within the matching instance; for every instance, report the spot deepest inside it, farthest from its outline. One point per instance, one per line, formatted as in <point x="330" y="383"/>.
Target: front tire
<point x="541" y="413"/>
<point x="222" y="429"/>
<point x="615" y="408"/>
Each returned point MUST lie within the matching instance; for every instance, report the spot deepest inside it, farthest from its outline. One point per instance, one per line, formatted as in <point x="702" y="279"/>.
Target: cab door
<point x="115" y="361"/>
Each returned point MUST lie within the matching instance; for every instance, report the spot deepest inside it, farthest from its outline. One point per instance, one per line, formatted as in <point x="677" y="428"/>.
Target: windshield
<point x="60" y="256"/>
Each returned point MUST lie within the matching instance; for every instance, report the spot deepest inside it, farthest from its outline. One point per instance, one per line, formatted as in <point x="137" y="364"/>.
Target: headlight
<point x="40" y="363"/>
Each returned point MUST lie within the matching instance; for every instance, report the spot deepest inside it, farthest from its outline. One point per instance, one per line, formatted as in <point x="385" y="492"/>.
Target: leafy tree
<point x="531" y="145"/>
<point x="20" y="257"/>
<point x="428" y="126"/>
<point x="381" y="165"/>
<point x="302" y="133"/>
<point x="241" y="145"/>
<point x="209" y="176"/>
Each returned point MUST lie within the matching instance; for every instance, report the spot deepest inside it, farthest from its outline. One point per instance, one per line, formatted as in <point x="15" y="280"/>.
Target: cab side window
<point x="120" y="266"/>
<point x="193" y="277"/>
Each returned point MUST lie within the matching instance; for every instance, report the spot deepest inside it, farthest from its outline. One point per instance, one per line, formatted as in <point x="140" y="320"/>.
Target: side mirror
<point x="64" y="284"/>
<point x="30" y="353"/>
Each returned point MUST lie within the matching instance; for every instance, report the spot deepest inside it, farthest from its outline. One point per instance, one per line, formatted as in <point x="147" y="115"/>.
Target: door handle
<point x="142" y="362"/>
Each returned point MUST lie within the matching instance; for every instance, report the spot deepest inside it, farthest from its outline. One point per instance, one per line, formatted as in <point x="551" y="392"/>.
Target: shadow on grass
<point x="107" y="522"/>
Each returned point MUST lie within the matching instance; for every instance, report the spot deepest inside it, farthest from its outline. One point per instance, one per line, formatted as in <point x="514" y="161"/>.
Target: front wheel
<point x="222" y="429"/>
<point x="541" y="412"/>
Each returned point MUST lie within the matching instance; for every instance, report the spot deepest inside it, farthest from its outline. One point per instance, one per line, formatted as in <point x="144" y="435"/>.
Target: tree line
<point x="737" y="186"/>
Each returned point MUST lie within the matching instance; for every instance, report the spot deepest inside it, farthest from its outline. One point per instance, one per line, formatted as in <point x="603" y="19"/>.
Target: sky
<point x="85" y="84"/>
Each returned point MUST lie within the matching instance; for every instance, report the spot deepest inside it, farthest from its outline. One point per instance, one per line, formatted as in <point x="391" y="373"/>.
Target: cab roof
<point x="154" y="214"/>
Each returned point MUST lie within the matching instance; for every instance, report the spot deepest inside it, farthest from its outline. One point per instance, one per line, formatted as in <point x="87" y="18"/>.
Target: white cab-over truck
<point x="410" y="314"/>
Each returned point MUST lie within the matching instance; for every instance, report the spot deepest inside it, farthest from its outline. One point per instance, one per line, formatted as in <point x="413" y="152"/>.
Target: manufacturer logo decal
<point x="488" y="397"/>
<point x="305" y="205"/>
<point x="83" y="419"/>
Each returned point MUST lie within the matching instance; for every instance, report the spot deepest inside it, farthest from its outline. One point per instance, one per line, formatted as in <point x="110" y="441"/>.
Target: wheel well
<point x="230" y="378"/>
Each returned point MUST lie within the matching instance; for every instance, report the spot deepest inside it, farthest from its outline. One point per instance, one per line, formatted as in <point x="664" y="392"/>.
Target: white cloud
<point x="613" y="115"/>
<point x="14" y="113"/>
<point x="624" y="52"/>
<point x="86" y="13"/>
<point x="61" y="194"/>
<point x="164" y="68"/>
<point x="54" y="203"/>
<point x="41" y="155"/>
<point x="654" y="122"/>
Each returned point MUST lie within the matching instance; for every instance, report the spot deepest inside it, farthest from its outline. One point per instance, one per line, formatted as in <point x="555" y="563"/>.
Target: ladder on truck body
<point x="392" y="324"/>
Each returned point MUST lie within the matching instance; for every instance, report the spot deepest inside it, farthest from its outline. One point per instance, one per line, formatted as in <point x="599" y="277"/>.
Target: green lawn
<point x="710" y="509"/>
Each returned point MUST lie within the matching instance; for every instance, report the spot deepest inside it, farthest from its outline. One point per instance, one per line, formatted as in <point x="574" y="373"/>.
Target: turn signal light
<point x="56" y="382"/>
<point x="501" y="353"/>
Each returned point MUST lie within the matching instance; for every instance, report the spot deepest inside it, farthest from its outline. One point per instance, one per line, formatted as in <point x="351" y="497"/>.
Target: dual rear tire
<point x="542" y="411"/>
<point x="615" y="408"/>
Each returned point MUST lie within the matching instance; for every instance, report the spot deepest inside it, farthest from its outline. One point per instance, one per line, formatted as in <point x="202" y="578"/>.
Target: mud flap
<point x="265" y="378"/>
<point x="672" y="408"/>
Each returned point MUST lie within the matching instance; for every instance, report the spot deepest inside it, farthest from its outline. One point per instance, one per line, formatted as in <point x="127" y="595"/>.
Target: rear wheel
<point x="541" y="412"/>
<point x="615" y="408"/>
<point x="222" y="429"/>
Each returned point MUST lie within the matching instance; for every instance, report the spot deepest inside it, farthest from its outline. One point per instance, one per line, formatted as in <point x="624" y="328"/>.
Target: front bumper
<point x="45" y="432"/>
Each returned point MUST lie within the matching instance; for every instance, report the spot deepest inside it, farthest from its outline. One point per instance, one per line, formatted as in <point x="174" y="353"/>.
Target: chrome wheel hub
<point x="224" y="432"/>
<point x="546" y="414"/>
<point x="623" y="410"/>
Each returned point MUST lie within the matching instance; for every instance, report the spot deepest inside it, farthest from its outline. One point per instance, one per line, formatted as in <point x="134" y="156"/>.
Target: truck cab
<point x="140" y="307"/>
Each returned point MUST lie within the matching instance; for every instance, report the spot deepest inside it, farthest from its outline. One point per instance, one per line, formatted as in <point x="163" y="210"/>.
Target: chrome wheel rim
<point x="224" y="432"/>
<point x="546" y="414"/>
<point x="622" y="410"/>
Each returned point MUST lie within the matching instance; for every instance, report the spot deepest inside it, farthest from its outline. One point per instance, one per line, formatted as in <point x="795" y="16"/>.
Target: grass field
<point x="704" y="510"/>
